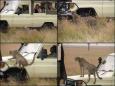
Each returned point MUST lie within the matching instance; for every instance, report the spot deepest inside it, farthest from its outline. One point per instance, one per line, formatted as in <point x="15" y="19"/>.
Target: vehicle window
<point x="62" y="8"/>
<point x="51" y="8"/>
<point x="48" y="52"/>
<point x="23" y="9"/>
<point x="66" y="7"/>
<point x="45" y="7"/>
<point x="72" y="6"/>
<point x="53" y="51"/>
<point x="19" y="10"/>
<point x="38" y="8"/>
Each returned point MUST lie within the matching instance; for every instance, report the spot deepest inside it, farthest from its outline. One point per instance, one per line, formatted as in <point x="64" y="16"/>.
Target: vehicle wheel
<point x="48" y="25"/>
<point x="4" y="26"/>
<point x="70" y="17"/>
<point x="51" y="25"/>
<point x="44" y="26"/>
<point x="3" y="65"/>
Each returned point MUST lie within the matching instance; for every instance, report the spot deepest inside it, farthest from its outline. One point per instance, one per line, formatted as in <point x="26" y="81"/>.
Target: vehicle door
<point x="97" y="5"/>
<point x="51" y="12"/>
<point x="47" y="13"/>
<point x="22" y="17"/>
<point x="46" y="67"/>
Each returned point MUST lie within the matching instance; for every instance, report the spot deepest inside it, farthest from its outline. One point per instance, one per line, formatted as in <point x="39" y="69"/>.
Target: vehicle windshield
<point x="9" y="6"/>
<point x="2" y="4"/>
<point x="64" y="7"/>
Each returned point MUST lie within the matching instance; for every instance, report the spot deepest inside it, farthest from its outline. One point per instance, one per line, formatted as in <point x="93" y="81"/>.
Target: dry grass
<point x="91" y="55"/>
<point x="86" y="30"/>
<point x="27" y="35"/>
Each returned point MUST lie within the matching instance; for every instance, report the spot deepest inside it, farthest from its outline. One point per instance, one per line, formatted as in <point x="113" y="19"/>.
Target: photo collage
<point x="57" y="42"/>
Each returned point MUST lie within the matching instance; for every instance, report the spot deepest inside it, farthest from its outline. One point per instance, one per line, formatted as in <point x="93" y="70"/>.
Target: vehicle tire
<point x="4" y="26"/>
<point x="3" y="65"/>
<point x="51" y="25"/>
<point x="48" y="25"/>
<point x="70" y="17"/>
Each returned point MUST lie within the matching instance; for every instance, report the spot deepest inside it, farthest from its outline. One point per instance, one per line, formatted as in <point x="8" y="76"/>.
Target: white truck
<point x="100" y="8"/>
<point x="40" y="68"/>
<point x="20" y="13"/>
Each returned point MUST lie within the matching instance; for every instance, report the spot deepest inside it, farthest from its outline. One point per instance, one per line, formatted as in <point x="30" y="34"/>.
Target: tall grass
<point x="27" y="35"/>
<point x="86" y="30"/>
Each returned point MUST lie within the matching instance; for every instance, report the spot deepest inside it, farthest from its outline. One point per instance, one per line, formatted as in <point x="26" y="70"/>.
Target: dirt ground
<point x="32" y="82"/>
<point x="91" y="55"/>
<point x="6" y="47"/>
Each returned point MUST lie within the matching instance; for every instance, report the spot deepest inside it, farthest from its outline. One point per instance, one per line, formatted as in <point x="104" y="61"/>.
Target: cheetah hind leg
<point x="94" y="79"/>
<point x="98" y="76"/>
<point x="88" y="78"/>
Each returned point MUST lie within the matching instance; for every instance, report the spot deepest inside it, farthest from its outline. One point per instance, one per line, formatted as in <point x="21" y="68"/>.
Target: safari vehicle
<point x="106" y="71"/>
<point x="100" y="8"/>
<point x="45" y="68"/>
<point x="21" y="13"/>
